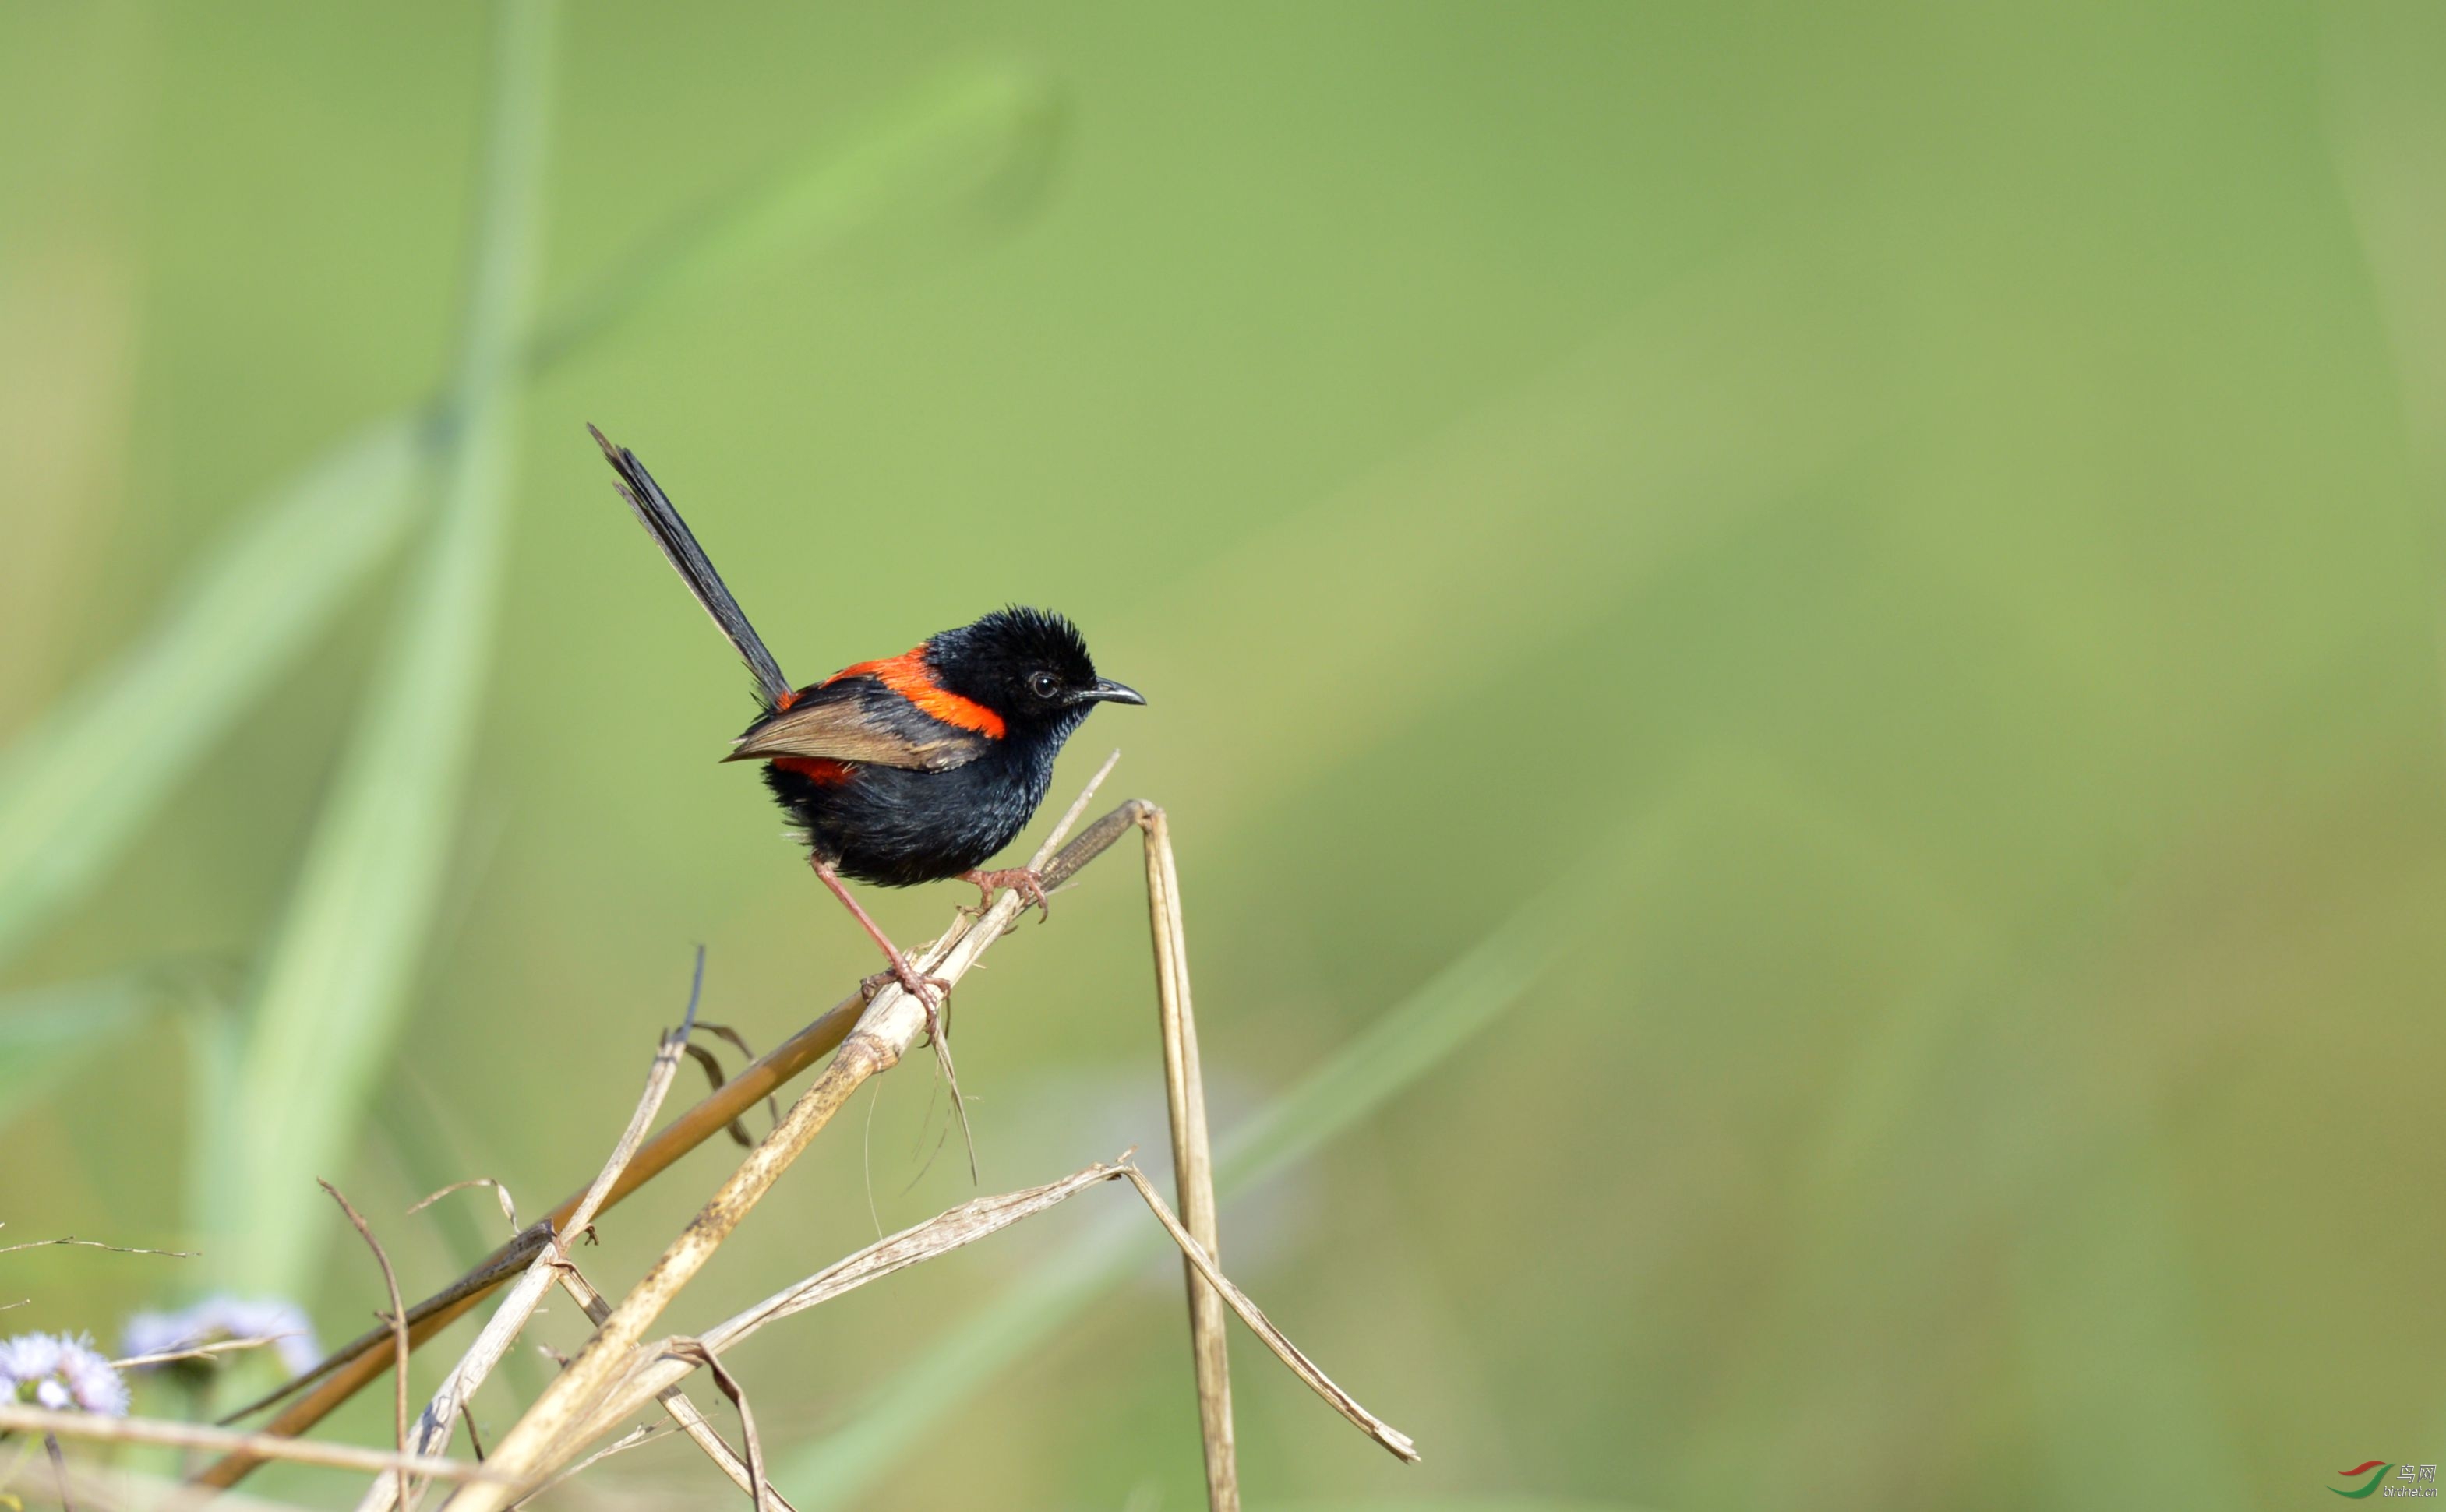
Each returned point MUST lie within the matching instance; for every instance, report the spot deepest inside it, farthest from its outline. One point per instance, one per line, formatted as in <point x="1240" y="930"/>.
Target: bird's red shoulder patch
<point x="908" y="675"/>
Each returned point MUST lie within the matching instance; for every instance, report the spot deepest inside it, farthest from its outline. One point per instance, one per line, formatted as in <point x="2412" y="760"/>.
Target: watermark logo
<point x="2408" y="1480"/>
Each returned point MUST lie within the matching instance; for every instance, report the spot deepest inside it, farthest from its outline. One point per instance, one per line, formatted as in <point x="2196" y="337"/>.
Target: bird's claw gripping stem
<point x="1028" y="882"/>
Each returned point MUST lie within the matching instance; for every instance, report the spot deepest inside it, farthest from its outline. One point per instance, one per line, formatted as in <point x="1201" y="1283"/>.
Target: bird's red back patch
<point x="908" y="675"/>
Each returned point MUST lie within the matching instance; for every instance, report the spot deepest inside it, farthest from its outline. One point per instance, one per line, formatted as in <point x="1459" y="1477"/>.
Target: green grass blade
<point x="79" y="786"/>
<point x="975" y="137"/>
<point x="48" y="1033"/>
<point x="1404" y="1045"/>
<point x="339" y="971"/>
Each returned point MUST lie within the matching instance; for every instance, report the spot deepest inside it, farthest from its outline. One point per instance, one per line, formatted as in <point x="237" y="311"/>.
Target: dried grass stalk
<point x="397" y="1323"/>
<point x="683" y="1412"/>
<point x="659" y="1367"/>
<point x="885" y="1032"/>
<point x="433" y="1429"/>
<point x="1305" y="1368"/>
<point x="1192" y="1161"/>
<point x="17" y="1419"/>
<point x="348" y="1369"/>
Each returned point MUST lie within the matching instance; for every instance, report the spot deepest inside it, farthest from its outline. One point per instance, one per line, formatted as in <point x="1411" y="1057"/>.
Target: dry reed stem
<point x="1341" y="1400"/>
<point x="398" y="1322"/>
<point x="683" y="1412"/>
<point x="347" y="1370"/>
<point x="885" y="1032"/>
<point x="349" y="1367"/>
<point x="18" y="1419"/>
<point x="695" y="1350"/>
<point x="501" y="1329"/>
<point x="662" y="1366"/>
<point x="1193" y="1161"/>
<point x="658" y="1369"/>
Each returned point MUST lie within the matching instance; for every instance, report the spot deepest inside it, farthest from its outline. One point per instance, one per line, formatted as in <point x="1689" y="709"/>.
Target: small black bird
<point x="916" y="768"/>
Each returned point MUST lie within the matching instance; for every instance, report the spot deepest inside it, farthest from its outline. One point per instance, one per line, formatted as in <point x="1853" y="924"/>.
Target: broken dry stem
<point x="658" y="1368"/>
<point x="675" y="1401"/>
<point x="885" y="1032"/>
<point x="501" y="1330"/>
<point x="663" y="1366"/>
<point x="1341" y="1400"/>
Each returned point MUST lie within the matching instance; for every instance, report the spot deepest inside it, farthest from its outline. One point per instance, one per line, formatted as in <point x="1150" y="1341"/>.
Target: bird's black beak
<point x="1108" y="691"/>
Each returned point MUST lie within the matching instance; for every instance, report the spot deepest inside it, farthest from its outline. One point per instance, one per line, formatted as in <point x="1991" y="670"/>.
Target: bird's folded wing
<point x="858" y="719"/>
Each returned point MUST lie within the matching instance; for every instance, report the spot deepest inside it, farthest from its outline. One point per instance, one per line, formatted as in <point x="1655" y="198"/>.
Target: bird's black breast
<point x="897" y="828"/>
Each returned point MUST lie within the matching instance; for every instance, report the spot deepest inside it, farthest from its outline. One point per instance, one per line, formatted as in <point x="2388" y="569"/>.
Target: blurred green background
<point x="1886" y="557"/>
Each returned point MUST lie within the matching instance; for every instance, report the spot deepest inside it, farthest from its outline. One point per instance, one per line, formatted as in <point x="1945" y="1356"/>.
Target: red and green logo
<point x="2375" y="1469"/>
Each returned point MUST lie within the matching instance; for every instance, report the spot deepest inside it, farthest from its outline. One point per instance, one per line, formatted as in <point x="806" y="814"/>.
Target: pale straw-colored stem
<point x="1192" y="1161"/>
<point x="889" y="1026"/>
<point x="440" y="1416"/>
<point x="16" y="1419"/>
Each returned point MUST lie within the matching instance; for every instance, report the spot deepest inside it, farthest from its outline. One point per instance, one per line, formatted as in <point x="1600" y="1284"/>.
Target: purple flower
<point x="59" y="1373"/>
<point x="221" y="1317"/>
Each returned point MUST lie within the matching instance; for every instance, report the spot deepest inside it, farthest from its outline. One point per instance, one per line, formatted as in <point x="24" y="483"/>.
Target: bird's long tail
<point x="654" y="509"/>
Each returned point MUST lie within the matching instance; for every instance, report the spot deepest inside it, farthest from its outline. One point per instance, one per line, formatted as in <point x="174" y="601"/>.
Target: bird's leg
<point x="930" y="992"/>
<point x="1027" y="884"/>
<point x="933" y="993"/>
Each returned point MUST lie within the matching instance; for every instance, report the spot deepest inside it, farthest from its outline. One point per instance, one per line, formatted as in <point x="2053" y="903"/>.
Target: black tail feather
<point x="654" y="509"/>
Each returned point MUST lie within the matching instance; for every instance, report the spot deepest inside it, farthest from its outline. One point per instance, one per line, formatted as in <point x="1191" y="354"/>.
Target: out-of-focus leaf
<point x="81" y="785"/>
<point x="340" y="968"/>
<point x="980" y="136"/>
<point x="48" y="1033"/>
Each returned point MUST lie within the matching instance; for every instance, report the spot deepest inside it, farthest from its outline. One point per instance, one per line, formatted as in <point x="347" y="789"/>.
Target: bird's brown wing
<point x="856" y="719"/>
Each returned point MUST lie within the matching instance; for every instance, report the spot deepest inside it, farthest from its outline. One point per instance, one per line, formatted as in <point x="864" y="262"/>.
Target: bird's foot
<point x="1028" y="884"/>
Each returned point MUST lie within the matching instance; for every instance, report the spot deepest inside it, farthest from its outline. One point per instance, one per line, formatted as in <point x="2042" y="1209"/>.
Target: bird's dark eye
<point x="1044" y="684"/>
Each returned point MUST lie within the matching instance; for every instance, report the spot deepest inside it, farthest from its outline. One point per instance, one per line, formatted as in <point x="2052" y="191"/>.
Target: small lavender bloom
<point x="59" y="1373"/>
<point x="221" y="1317"/>
<point x="155" y="1334"/>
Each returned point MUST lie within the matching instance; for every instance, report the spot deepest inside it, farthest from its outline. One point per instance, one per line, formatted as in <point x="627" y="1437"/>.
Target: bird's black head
<point x="1028" y="666"/>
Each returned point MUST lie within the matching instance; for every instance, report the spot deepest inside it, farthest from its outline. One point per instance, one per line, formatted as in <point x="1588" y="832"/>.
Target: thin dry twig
<point x="500" y="1195"/>
<point x="662" y="1366"/>
<point x="60" y="1469"/>
<point x="658" y="1369"/>
<point x="434" y="1426"/>
<point x="200" y="1352"/>
<point x="683" y="1412"/>
<point x="712" y="1066"/>
<point x="347" y="1371"/>
<point x="739" y="1042"/>
<point x="398" y="1322"/>
<point x="18" y="1419"/>
<point x="1070" y="814"/>
<point x="1301" y="1366"/>
<point x="95" y="1243"/>
<point x="697" y="1350"/>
